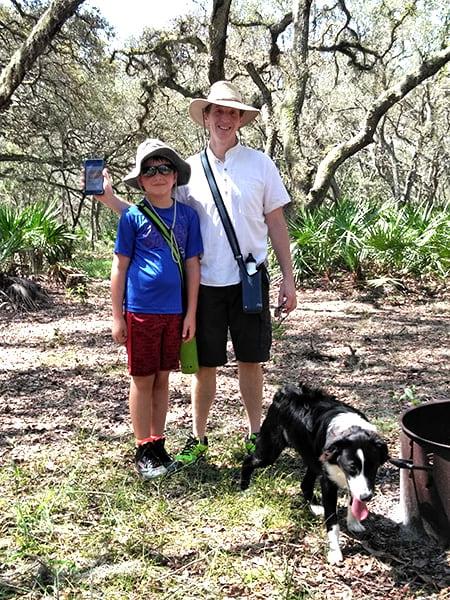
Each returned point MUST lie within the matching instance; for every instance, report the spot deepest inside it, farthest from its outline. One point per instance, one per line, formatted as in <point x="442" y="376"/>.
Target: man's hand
<point x="287" y="296"/>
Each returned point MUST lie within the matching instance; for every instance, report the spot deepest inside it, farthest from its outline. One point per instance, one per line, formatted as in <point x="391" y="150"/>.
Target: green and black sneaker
<point x="250" y="443"/>
<point x="193" y="450"/>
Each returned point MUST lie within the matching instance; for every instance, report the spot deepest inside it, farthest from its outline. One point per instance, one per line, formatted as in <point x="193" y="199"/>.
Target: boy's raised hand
<point x="108" y="192"/>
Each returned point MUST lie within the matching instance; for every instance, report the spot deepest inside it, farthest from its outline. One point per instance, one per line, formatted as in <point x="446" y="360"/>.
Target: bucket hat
<point x="154" y="147"/>
<point x="222" y="93"/>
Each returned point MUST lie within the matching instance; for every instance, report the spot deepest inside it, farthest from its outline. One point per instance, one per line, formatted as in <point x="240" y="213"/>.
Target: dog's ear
<point x="278" y="395"/>
<point x="329" y="453"/>
<point x="382" y="449"/>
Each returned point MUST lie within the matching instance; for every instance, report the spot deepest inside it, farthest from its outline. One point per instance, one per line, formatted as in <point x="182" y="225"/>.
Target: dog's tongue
<point x="359" y="509"/>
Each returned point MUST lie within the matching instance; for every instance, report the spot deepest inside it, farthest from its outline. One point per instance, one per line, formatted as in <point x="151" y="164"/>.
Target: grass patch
<point x="97" y="268"/>
<point x="78" y="523"/>
<point x="95" y="263"/>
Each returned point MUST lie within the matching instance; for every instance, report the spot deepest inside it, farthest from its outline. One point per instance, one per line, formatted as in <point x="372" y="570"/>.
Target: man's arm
<point x="279" y="237"/>
<point x="108" y="198"/>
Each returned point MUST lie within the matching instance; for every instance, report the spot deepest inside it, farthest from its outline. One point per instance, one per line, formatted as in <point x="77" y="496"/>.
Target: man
<point x="254" y="196"/>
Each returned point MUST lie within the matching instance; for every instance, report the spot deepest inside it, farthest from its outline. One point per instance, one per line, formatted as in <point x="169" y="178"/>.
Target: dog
<point x="337" y="444"/>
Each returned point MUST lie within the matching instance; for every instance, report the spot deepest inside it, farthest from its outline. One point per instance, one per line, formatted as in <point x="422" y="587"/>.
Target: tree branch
<point x="350" y="49"/>
<point x="275" y="32"/>
<point x="41" y="35"/>
<point x="341" y="152"/>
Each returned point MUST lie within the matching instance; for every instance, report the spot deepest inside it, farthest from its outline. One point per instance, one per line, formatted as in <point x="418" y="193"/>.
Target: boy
<point x="147" y="298"/>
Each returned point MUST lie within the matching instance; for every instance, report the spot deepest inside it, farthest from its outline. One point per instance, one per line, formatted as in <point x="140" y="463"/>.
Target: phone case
<point x="93" y="176"/>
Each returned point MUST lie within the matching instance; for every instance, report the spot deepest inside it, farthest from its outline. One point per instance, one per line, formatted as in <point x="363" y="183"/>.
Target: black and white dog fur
<point x="337" y="444"/>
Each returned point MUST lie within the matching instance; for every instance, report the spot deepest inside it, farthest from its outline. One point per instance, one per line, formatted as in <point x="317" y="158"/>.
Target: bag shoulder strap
<point x="165" y="232"/>
<point x="228" y="226"/>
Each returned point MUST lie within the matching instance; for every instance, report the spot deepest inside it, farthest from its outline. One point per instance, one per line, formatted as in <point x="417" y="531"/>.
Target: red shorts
<point x="153" y="343"/>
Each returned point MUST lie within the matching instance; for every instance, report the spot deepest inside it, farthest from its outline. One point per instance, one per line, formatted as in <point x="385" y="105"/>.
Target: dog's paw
<point x="334" y="551"/>
<point x="355" y="526"/>
<point x="316" y="509"/>
<point x="335" y="556"/>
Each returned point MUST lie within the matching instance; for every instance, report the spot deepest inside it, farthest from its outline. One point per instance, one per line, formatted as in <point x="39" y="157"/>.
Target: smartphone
<point x="93" y="176"/>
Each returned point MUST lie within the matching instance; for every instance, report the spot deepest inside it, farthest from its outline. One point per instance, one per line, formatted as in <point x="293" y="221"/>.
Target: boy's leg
<point x="153" y="347"/>
<point x="141" y="405"/>
<point x="148" y="410"/>
<point x="160" y="403"/>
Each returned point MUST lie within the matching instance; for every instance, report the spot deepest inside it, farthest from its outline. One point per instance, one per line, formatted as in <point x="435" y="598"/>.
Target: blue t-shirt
<point x="153" y="283"/>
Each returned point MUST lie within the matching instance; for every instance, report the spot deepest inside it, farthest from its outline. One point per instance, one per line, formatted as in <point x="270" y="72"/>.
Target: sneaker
<point x="193" y="450"/>
<point x="147" y="463"/>
<point x="250" y="443"/>
<point x="160" y="452"/>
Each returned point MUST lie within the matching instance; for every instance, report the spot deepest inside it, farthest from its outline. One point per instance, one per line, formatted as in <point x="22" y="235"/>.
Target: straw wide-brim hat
<point x="222" y="93"/>
<point x="153" y="147"/>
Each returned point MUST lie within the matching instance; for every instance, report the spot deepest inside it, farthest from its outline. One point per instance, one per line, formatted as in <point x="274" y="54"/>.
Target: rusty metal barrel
<point x="425" y="469"/>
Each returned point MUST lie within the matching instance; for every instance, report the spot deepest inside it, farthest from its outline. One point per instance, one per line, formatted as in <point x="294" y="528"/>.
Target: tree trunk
<point x="341" y="152"/>
<point x="41" y="35"/>
<point x="218" y="39"/>
<point x="294" y="96"/>
<point x="267" y="112"/>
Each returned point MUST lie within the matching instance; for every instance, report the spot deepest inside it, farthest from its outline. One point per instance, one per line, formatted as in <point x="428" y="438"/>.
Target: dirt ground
<point x="60" y="372"/>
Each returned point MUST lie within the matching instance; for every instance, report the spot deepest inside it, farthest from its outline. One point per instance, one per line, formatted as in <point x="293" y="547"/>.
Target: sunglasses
<point x="151" y="170"/>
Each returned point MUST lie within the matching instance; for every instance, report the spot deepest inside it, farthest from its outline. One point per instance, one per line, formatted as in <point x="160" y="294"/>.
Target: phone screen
<point x="93" y="176"/>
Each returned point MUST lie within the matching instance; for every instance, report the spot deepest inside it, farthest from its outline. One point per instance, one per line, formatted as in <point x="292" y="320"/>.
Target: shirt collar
<point x="228" y="154"/>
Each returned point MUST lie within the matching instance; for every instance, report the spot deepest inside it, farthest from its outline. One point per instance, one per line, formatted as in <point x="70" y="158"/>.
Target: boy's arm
<point x="192" y="268"/>
<point x="118" y="278"/>
<point x="108" y="198"/>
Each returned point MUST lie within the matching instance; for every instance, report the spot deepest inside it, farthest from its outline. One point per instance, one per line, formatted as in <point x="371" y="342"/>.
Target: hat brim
<point x="183" y="168"/>
<point x="198" y="105"/>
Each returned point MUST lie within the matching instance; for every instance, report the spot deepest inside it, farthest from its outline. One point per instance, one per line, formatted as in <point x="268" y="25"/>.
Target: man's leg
<point x="203" y="390"/>
<point x="251" y="387"/>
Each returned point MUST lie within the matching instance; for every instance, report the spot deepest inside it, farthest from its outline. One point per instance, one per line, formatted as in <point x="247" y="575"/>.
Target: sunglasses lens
<point x="165" y="169"/>
<point x="151" y="171"/>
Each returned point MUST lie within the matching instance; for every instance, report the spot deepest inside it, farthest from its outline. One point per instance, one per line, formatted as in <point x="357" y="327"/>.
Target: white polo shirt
<point x="251" y="187"/>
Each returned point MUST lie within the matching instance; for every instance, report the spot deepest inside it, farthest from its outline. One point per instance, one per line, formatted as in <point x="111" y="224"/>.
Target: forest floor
<point x="60" y="373"/>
